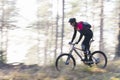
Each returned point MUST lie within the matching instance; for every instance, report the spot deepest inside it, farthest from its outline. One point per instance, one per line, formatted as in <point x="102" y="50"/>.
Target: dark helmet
<point x="71" y="20"/>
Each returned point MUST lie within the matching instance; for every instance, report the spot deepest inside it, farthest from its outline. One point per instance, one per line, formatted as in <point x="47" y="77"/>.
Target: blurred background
<point x="37" y="31"/>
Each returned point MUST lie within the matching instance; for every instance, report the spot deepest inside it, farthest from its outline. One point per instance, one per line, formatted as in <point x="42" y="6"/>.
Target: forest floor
<point x="81" y="72"/>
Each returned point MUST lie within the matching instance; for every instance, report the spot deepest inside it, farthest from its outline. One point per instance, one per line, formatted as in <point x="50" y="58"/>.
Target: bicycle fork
<point x="68" y="58"/>
<point x="67" y="61"/>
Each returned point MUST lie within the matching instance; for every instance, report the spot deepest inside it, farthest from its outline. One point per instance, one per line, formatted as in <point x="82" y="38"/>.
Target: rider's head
<point x="72" y="21"/>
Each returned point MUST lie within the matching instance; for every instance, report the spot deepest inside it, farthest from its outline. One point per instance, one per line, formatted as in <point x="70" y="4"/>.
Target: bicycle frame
<point x="75" y="50"/>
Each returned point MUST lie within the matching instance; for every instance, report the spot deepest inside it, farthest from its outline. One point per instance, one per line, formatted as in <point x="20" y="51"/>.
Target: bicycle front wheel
<point x="99" y="59"/>
<point x="65" y="62"/>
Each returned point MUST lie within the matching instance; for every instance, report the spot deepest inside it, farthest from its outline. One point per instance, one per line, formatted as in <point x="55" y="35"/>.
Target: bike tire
<point x="99" y="59"/>
<point x="62" y="59"/>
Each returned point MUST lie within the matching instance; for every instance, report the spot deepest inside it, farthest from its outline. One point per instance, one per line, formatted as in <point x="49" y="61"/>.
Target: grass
<point x="81" y="72"/>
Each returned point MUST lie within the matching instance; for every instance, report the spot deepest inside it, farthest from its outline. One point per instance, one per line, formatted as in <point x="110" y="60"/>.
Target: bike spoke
<point x="99" y="59"/>
<point x="65" y="63"/>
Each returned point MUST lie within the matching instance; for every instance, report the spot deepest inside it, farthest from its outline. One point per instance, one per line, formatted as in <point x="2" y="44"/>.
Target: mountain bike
<point x="66" y="61"/>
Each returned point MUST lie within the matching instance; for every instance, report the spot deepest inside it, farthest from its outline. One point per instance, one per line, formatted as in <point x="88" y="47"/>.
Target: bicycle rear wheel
<point x="65" y="62"/>
<point x="99" y="59"/>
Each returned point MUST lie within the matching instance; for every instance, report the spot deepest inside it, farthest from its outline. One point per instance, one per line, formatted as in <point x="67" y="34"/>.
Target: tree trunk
<point x="4" y="33"/>
<point x="101" y="45"/>
<point x="117" y="55"/>
<point x="56" y="36"/>
<point x="62" y="26"/>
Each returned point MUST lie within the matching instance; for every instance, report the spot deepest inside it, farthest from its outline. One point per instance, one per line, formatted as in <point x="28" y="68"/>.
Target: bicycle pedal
<point x="88" y="62"/>
<point x="67" y="63"/>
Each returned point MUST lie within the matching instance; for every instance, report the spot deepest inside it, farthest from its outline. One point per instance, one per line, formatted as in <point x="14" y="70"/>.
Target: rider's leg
<point x="84" y="49"/>
<point x="86" y="46"/>
<point x="88" y="49"/>
<point x="86" y="42"/>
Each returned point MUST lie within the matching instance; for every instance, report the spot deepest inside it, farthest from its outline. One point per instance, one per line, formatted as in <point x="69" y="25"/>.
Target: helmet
<point x="71" y="20"/>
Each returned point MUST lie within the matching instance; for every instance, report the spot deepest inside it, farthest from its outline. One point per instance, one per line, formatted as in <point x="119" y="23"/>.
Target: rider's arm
<point x="81" y="35"/>
<point x="74" y="35"/>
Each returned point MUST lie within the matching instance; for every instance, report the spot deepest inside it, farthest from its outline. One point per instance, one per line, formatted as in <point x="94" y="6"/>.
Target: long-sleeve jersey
<point x="83" y="32"/>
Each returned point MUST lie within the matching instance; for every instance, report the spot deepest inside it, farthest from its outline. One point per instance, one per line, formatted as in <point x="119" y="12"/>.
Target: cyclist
<point x="84" y="29"/>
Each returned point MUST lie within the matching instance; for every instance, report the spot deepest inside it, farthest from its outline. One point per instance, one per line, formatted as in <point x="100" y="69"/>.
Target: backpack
<point x="83" y="25"/>
<point x="86" y="25"/>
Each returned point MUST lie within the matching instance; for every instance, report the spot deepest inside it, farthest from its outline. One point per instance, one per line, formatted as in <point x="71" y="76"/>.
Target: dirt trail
<point x="81" y="72"/>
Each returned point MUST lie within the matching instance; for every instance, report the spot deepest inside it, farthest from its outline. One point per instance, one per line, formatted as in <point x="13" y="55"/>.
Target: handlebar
<point x="73" y="45"/>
